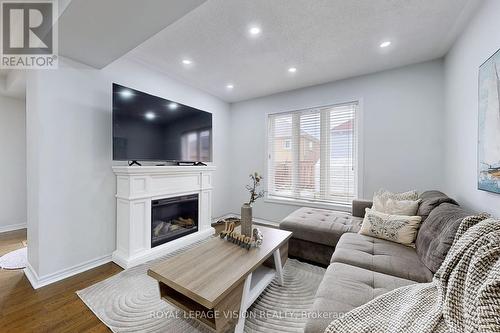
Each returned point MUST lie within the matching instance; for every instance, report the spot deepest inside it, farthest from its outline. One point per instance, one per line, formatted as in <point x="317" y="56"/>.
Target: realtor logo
<point x="28" y="36"/>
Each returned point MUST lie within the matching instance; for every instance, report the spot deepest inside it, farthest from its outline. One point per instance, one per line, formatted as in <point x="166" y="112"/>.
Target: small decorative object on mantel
<point x="243" y="241"/>
<point x="246" y="209"/>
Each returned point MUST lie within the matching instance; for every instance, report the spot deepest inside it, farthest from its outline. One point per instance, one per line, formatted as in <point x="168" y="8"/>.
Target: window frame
<point x="359" y="162"/>
<point x="198" y="132"/>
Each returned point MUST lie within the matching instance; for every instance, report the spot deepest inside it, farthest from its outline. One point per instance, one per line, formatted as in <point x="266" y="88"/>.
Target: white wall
<point x="477" y="43"/>
<point x="71" y="206"/>
<point x="12" y="164"/>
<point x="402" y="130"/>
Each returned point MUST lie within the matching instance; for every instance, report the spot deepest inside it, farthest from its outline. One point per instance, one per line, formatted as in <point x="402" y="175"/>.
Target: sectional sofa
<point x="360" y="267"/>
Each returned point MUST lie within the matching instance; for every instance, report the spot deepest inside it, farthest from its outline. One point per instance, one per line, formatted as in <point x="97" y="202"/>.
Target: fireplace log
<point x="158" y="228"/>
<point x="185" y="223"/>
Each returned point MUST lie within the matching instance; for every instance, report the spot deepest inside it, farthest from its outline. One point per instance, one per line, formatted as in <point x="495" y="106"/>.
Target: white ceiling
<point x="97" y="32"/>
<point x="325" y="40"/>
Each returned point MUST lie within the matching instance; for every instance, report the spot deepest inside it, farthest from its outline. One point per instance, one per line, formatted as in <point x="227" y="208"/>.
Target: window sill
<point x="305" y="203"/>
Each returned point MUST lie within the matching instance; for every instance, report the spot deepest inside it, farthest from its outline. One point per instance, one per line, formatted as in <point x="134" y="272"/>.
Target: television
<point x="150" y="128"/>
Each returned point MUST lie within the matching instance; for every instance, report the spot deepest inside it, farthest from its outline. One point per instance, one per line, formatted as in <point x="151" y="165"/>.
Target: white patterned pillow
<point x="395" y="228"/>
<point x="381" y="198"/>
<point x="401" y="207"/>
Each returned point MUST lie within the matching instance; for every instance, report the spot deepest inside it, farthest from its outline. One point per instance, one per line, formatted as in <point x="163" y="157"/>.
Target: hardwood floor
<point x="54" y="308"/>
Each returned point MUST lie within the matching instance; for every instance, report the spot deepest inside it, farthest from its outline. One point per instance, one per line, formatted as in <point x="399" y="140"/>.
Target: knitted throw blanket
<point x="464" y="295"/>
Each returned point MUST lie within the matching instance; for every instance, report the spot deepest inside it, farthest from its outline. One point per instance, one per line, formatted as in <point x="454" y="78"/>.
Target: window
<point x="319" y="164"/>
<point x="195" y="145"/>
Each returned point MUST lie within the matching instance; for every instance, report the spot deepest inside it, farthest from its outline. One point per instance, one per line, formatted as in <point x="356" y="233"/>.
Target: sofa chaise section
<point x="345" y="287"/>
<point x="381" y="256"/>
<point x="317" y="231"/>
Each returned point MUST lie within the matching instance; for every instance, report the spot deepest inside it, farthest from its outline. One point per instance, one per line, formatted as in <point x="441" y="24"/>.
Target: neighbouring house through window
<point x="312" y="155"/>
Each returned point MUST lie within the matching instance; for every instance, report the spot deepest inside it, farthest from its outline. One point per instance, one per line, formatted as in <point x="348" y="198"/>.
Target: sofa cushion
<point x="381" y="256"/>
<point x="344" y="288"/>
<point x="320" y="225"/>
<point x="437" y="232"/>
<point x="430" y="200"/>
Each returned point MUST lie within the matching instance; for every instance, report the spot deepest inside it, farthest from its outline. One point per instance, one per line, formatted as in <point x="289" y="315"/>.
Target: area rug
<point x="14" y="259"/>
<point x="130" y="302"/>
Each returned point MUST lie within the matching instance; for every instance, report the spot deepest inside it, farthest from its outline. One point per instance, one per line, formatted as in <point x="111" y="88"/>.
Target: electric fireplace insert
<point x="172" y="218"/>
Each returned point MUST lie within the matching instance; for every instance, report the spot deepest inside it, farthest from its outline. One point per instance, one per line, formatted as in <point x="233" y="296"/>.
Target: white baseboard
<point x="127" y="262"/>
<point x="38" y="282"/>
<point x="31" y="275"/>
<point x="12" y="227"/>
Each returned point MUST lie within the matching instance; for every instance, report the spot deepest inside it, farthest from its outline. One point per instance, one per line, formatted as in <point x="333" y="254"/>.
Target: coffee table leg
<point x="279" y="268"/>
<point x="244" y="304"/>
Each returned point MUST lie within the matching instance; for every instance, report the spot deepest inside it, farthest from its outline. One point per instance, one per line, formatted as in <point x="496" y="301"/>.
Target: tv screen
<point x="150" y="128"/>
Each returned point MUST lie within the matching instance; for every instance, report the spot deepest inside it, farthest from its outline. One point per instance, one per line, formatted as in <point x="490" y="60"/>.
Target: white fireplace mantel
<point x="136" y="187"/>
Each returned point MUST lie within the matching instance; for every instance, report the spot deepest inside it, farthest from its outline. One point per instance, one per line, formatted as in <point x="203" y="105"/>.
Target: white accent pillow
<point x="403" y="207"/>
<point x="381" y="198"/>
<point x="395" y="228"/>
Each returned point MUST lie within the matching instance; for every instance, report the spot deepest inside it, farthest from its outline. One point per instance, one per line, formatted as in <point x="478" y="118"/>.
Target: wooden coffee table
<point x="217" y="281"/>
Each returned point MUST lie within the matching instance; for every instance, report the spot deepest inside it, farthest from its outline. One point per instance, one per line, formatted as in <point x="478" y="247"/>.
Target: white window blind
<point x="312" y="154"/>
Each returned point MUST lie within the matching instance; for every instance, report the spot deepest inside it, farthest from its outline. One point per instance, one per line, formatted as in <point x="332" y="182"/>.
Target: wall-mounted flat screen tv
<point x="150" y="128"/>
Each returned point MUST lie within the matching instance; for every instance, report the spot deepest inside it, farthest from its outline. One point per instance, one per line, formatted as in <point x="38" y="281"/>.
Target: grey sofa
<point x="362" y="267"/>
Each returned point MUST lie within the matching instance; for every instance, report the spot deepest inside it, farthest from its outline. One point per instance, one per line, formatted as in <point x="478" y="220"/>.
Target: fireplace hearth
<point x="172" y="218"/>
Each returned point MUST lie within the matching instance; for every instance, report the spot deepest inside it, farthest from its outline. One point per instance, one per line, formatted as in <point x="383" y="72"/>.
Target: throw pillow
<point x="382" y="196"/>
<point x="403" y="207"/>
<point x="395" y="228"/>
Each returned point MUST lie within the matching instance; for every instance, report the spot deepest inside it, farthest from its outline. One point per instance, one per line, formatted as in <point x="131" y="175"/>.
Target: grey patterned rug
<point x="130" y="302"/>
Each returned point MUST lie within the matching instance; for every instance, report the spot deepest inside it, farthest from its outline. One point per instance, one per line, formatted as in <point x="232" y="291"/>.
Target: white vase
<point x="246" y="220"/>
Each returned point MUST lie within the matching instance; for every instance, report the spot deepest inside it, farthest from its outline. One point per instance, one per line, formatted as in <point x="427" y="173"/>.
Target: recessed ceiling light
<point x="150" y="115"/>
<point x="385" y="44"/>
<point x="126" y="93"/>
<point x="292" y="69"/>
<point x="230" y="86"/>
<point x="173" y="106"/>
<point x="254" y="31"/>
<point x="187" y="62"/>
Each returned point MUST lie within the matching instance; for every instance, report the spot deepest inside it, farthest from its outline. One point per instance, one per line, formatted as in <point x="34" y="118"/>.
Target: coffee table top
<point x="208" y="272"/>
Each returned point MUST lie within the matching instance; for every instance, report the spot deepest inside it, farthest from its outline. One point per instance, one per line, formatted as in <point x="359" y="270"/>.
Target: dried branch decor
<point x="252" y="188"/>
